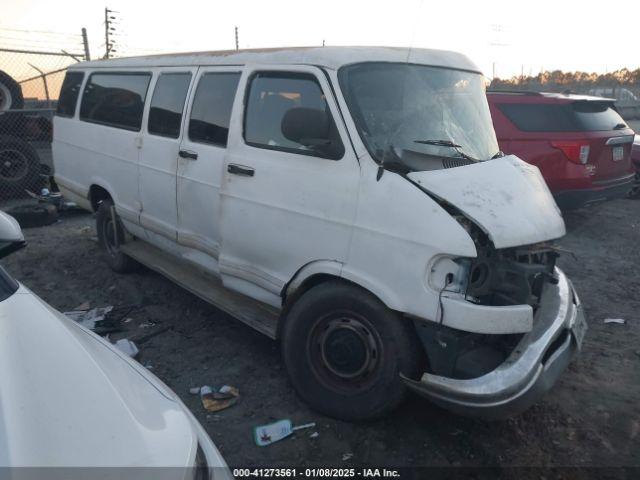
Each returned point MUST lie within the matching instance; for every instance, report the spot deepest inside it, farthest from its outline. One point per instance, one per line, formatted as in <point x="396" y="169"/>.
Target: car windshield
<point x="419" y="116"/>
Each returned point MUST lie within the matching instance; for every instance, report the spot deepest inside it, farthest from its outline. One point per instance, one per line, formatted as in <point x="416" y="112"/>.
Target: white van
<point x="350" y="202"/>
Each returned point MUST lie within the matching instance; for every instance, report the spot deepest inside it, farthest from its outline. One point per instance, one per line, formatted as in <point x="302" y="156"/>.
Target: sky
<point x="508" y="36"/>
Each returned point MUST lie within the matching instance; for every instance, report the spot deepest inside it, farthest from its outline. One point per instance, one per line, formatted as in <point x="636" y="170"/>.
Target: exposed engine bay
<point x="511" y="276"/>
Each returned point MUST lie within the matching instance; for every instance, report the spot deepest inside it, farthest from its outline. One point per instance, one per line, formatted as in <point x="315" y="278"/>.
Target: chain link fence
<point x="30" y="82"/>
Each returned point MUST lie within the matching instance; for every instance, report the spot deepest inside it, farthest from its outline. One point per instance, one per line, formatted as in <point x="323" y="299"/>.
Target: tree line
<point x="575" y="81"/>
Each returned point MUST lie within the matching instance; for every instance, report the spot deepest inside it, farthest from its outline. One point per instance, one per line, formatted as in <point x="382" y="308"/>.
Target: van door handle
<point x="240" y="170"/>
<point x="188" y="154"/>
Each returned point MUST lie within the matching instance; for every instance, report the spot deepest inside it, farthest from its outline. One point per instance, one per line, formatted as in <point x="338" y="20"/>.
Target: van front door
<point x="201" y="162"/>
<point x="287" y="200"/>
<point x="159" y="150"/>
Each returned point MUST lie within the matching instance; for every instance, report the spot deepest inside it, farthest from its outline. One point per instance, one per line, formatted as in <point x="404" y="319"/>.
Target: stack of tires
<point x="19" y="161"/>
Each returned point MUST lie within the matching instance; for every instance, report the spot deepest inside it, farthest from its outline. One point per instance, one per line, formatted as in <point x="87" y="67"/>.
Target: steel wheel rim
<point x="14" y="164"/>
<point x="345" y="351"/>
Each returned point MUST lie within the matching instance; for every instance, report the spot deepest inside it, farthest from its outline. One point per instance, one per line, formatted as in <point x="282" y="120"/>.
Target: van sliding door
<point x="160" y="147"/>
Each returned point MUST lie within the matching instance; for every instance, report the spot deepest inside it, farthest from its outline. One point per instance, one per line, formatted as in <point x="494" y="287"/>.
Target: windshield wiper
<point x="447" y="143"/>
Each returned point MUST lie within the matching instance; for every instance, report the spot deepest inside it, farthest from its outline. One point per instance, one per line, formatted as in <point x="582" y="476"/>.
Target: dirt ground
<point x="591" y="418"/>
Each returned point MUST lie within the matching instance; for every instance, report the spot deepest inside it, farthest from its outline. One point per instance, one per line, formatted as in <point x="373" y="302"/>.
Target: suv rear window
<point x="115" y="99"/>
<point x="580" y="116"/>
<point x="69" y="94"/>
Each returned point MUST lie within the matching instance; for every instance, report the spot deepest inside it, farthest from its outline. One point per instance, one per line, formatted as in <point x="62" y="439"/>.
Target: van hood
<point x="506" y="197"/>
<point x="68" y="399"/>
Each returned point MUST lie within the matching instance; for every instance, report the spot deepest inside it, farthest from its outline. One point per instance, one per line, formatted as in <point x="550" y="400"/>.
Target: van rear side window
<point x="211" y="110"/>
<point x="69" y="94"/>
<point x="167" y="103"/>
<point x="115" y="99"/>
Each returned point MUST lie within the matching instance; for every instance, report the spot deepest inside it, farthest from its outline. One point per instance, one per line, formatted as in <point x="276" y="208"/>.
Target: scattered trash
<point x="621" y="321"/>
<point x="85" y="229"/>
<point x="148" y="366"/>
<point x="265" y="435"/>
<point x="147" y="325"/>
<point x="314" y="435"/>
<point x="347" y="456"/>
<point x="83" y="306"/>
<point x="89" y="318"/>
<point x="127" y="346"/>
<point x="194" y="391"/>
<point x="127" y="320"/>
<point x="216" y="400"/>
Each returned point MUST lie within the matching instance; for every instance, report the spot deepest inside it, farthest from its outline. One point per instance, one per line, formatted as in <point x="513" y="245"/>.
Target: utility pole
<point x="85" y="42"/>
<point x="109" y="30"/>
<point x="237" y="44"/>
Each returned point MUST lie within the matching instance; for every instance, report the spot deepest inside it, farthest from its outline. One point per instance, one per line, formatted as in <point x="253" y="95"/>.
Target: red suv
<point x="580" y="144"/>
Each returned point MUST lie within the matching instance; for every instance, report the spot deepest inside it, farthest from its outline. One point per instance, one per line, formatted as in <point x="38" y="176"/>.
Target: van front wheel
<point x="344" y="351"/>
<point x="111" y="236"/>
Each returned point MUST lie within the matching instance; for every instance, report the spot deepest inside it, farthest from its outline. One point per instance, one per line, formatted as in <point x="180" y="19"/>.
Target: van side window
<point x="115" y="99"/>
<point x="288" y="111"/>
<point x="69" y="94"/>
<point x="211" y="110"/>
<point x="167" y="103"/>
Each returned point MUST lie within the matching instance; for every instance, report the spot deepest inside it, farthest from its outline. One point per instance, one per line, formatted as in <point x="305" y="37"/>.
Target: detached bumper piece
<point x="531" y="369"/>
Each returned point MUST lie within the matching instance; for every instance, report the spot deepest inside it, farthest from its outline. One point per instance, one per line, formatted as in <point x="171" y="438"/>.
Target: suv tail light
<point x="575" y="152"/>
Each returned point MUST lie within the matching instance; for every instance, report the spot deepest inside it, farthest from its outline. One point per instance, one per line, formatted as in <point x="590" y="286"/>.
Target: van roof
<point x="328" y="57"/>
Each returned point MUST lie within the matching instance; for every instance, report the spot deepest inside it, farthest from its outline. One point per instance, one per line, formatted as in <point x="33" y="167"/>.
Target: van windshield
<point x="419" y="117"/>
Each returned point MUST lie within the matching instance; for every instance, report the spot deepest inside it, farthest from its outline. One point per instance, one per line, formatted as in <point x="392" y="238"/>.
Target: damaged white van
<point x="350" y="202"/>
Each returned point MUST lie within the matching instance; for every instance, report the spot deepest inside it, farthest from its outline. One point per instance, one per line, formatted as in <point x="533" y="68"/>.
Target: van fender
<point x="337" y="269"/>
<point x="124" y="212"/>
<point x="316" y="267"/>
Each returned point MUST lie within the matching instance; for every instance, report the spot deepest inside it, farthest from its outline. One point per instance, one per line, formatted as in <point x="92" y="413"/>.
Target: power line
<point x="44" y="32"/>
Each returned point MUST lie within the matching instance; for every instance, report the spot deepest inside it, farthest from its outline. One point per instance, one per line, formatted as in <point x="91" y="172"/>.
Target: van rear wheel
<point x="344" y="351"/>
<point x="111" y="236"/>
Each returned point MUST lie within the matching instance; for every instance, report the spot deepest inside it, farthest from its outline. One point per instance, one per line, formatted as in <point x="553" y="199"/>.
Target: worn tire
<point x="30" y="216"/>
<point x="19" y="166"/>
<point x="118" y="261"/>
<point x="10" y="93"/>
<point x="323" y="340"/>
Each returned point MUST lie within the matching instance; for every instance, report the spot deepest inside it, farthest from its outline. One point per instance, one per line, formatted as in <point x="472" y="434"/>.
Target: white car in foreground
<point x="68" y="398"/>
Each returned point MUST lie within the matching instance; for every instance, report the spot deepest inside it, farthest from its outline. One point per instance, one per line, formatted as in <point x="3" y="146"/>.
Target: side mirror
<point x="11" y="237"/>
<point x="310" y="127"/>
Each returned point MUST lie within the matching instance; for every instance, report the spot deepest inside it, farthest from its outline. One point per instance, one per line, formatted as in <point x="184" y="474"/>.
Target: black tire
<point x="30" y="216"/>
<point x="19" y="167"/>
<point x="118" y="261"/>
<point x="344" y="351"/>
<point x="10" y="93"/>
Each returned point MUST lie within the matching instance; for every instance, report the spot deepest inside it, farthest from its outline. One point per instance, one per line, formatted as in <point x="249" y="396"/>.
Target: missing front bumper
<point x="531" y="370"/>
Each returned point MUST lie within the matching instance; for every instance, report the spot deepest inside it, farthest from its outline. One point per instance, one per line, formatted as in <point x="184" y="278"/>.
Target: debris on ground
<point x="265" y="435"/>
<point x="620" y="321"/>
<point x="90" y="318"/>
<point x="214" y="400"/>
<point x="314" y="435"/>
<point x="347" y="456"/>
<point x="127" y="347"/>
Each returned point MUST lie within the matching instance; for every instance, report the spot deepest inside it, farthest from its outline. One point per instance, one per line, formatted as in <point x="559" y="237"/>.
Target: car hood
<point x="506" y="197"/>
<point x="67" y="398"/>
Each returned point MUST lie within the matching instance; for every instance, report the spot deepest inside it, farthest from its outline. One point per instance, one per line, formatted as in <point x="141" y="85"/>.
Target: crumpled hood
<point x="506" y="197"/>
<point x="67" y="399"/>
